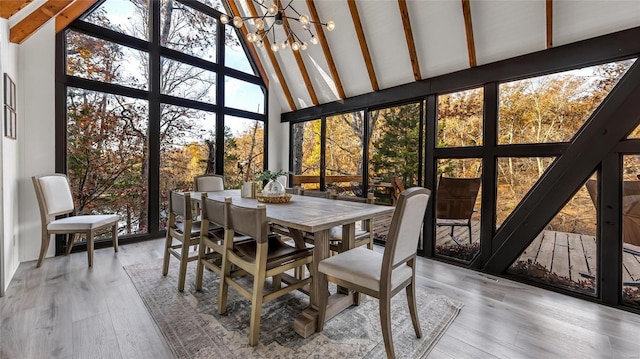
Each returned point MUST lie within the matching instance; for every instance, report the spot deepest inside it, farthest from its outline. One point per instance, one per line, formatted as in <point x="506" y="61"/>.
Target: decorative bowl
<point x="274" y="199"/>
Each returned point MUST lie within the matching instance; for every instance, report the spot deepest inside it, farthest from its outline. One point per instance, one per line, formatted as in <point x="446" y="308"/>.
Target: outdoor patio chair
<point x="185" y="229"/>
<point x="455" y="199"/>
<point x="384" y="275"/>
<point x="55" y="199"/>
<point x="266" y="256"/>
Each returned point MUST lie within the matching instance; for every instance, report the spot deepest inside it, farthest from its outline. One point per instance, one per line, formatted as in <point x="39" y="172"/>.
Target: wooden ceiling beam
<point x="30" y="24"/>
<point x="272" y="58"/>
<point x="549" y="23"/>
<point x="252" y="50"/>
<point x="411" y="45"/>
<point x="11" y="7"/>
<point x="363" y="44"/>
<point x="72" y="12"/>
<point x="301" y="66"/>
<point x="325" y="49"/>
<point x="471" y="47"/>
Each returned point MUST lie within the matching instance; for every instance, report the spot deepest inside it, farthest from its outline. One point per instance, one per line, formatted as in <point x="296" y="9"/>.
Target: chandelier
<point x="275" y="14"/>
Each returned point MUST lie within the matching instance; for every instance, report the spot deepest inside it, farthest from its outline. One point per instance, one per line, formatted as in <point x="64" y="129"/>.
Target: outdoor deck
<point x="568" y="255"/>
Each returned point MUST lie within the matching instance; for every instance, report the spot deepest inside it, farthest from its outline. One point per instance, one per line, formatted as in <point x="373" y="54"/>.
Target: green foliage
<point x="267" y="175"/>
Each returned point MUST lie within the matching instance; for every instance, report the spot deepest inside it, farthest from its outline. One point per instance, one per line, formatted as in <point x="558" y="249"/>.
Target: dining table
<point x="317" y="216"/>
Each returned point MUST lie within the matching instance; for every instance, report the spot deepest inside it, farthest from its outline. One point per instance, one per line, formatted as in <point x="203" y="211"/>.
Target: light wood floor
<point x="65" y="310"/>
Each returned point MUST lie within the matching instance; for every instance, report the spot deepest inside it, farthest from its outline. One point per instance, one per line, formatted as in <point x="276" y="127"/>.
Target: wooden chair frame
<point x="455" y="201"/>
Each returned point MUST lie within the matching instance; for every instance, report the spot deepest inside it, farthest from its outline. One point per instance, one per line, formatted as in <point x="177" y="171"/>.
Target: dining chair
<point x="383" y="275"/>
<point x="208" y="183"/>
<point x="55" y="199"/>
<point x="266" y="256"/>
<point x="182" y="227"/>
<point x="211" y="245"/>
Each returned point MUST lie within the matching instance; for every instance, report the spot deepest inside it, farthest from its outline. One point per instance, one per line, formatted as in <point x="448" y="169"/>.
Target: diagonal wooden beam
<point x="549" y="24"/>
<point x="72" y="12"/>
<point x="301" y="66"/>
<point x="471" y="47"/>
<point x="10" y="7"/>
<point x="325" y="49"/>
<point x="252" y="50"/>
<point x="408" y="34"/>
<point x="272" y="58"/>
<point x="30" y="24"/>
<point x="363" y="44"/>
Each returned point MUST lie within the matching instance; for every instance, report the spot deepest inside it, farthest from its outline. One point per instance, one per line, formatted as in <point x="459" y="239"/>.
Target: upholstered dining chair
<point x="363" y="235"/>
<point x="384" y="275"/>
<point x="55" y="199"/>
<point x="182" y="227"/>
<point x="266" y="256"/>
<point x="208" y="183"/>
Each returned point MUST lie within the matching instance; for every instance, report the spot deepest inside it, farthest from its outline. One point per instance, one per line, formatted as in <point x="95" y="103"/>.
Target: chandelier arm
<point x="260" y="4"/>
<point x="290" y="6"/>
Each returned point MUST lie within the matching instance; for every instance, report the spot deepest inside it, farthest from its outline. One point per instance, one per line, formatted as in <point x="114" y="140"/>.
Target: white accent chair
<point x="384" y="275"/>
<point x="55" y="199"/>
<point x="208" y="183"/>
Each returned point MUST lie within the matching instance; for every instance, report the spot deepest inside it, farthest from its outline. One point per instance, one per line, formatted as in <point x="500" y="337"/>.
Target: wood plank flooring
<point x="65" y="310"/>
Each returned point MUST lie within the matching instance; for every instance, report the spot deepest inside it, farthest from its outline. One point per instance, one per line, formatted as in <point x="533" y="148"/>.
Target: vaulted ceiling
<point x="386" y="43"/>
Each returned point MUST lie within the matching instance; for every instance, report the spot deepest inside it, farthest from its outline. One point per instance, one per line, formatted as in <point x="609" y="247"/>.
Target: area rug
<point x="193" y="328"/>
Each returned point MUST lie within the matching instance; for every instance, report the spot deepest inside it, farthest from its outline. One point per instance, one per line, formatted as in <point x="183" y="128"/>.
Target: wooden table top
<point x="306" y="213"/>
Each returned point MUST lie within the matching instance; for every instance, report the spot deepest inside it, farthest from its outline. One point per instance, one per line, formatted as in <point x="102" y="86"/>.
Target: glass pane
<point x="458" y="208"/>
<point x="460" y="118"/>
<point x="306" y="151"/>
<point x="107" y="156"/>
<point x="631" y="231"/>
<point x="552" y="108"/>
<point x="181" y="80"/>
<point x="244" y="150"/>
<point x="187" y="30"/>
<point x="100" y="60"/>
<point x="234" y="55"/>
<point x="216" y="4"/>
<point x="243" y="95"/>
<point x="564" y="254"/>
<point x="394" y="153"/>
<point x="516" y="176"/>
<point x="344" y="144"/>
<point x="129" y="17"/>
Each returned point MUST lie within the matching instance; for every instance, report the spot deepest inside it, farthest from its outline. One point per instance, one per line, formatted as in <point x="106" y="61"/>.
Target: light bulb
<point x="260" y="44"/>
<point x="304" y="19"/>
<point x="303" y="46"/>
<point x="274" y="47"/>
<point x="237" y="21"/>
<point x="284" y="44"/>
<point x="314" y="40"/>
<point x="252" y="37"/>
<point x="295" y="46"/>
<point x="273" y="9"/>
<point x="260" y="24"/>
<point x="224" y="19"/>
<point x="331" y="25"/>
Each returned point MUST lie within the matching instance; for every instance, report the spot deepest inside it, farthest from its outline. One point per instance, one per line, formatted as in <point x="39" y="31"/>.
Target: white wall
<point x="278" y="134"/>
<point x="9" y="170"/>
<point x="37" y="92"/>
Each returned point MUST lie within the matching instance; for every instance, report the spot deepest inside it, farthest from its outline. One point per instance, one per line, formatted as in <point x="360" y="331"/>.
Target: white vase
<point x="273" y="188"/>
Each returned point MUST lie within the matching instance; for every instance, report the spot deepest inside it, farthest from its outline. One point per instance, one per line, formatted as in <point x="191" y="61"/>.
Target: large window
<point x="132" y="135"/>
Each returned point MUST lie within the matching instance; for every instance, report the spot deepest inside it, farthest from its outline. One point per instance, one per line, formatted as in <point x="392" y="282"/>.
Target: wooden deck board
<point x="531" y="253"/>
<point x="590" y="253"/>
<point x="545" y="255"/>
<point x="577" y="258"/>
<point x="560" y="263"/>
<point x="632" y="265"/>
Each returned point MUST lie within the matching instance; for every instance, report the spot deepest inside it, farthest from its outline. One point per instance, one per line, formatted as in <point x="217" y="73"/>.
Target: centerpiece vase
<point x="273" y="188"/>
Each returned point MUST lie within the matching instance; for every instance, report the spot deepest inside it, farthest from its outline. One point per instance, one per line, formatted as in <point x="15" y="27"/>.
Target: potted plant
<point x="273" y="186"/>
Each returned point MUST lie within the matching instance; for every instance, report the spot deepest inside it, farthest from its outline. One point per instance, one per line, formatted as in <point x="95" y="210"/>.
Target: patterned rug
<point x="193" y="328"/>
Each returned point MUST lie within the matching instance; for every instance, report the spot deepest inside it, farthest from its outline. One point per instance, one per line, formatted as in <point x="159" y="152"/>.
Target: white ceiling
<point x="501" y="28"/>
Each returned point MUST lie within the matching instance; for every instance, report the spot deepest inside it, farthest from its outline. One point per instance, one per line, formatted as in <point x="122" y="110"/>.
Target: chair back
<point x="284" y="180"/>
<point x="54" y="195"/>
<point x="312" y="193"/>
<point x="250" y="221"/>
<point x="180" y="205"/>
<point x="212" y="210"/>
<point x="406" y="223"/>
<point x="208" y="183"/>
<point x="456" y="197"/>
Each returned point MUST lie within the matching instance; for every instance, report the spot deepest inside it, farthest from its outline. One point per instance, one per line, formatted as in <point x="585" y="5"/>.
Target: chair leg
<point x="167" y="245"/>
<point x="256" y="295"/>
<point x="469" y="226"/>
<point x="200" y="266"/>
<point x="184" y="257"/>
<point x="385" y="323"/>
<point x="276" y="282"/>
<point x="411" y="299"/>
<point x="90" y="247"/>
<point x="70" y="240"/>
<point x="225" y="274"/>
<point x="46" y="238"/>
<point x="114" y="237"/>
